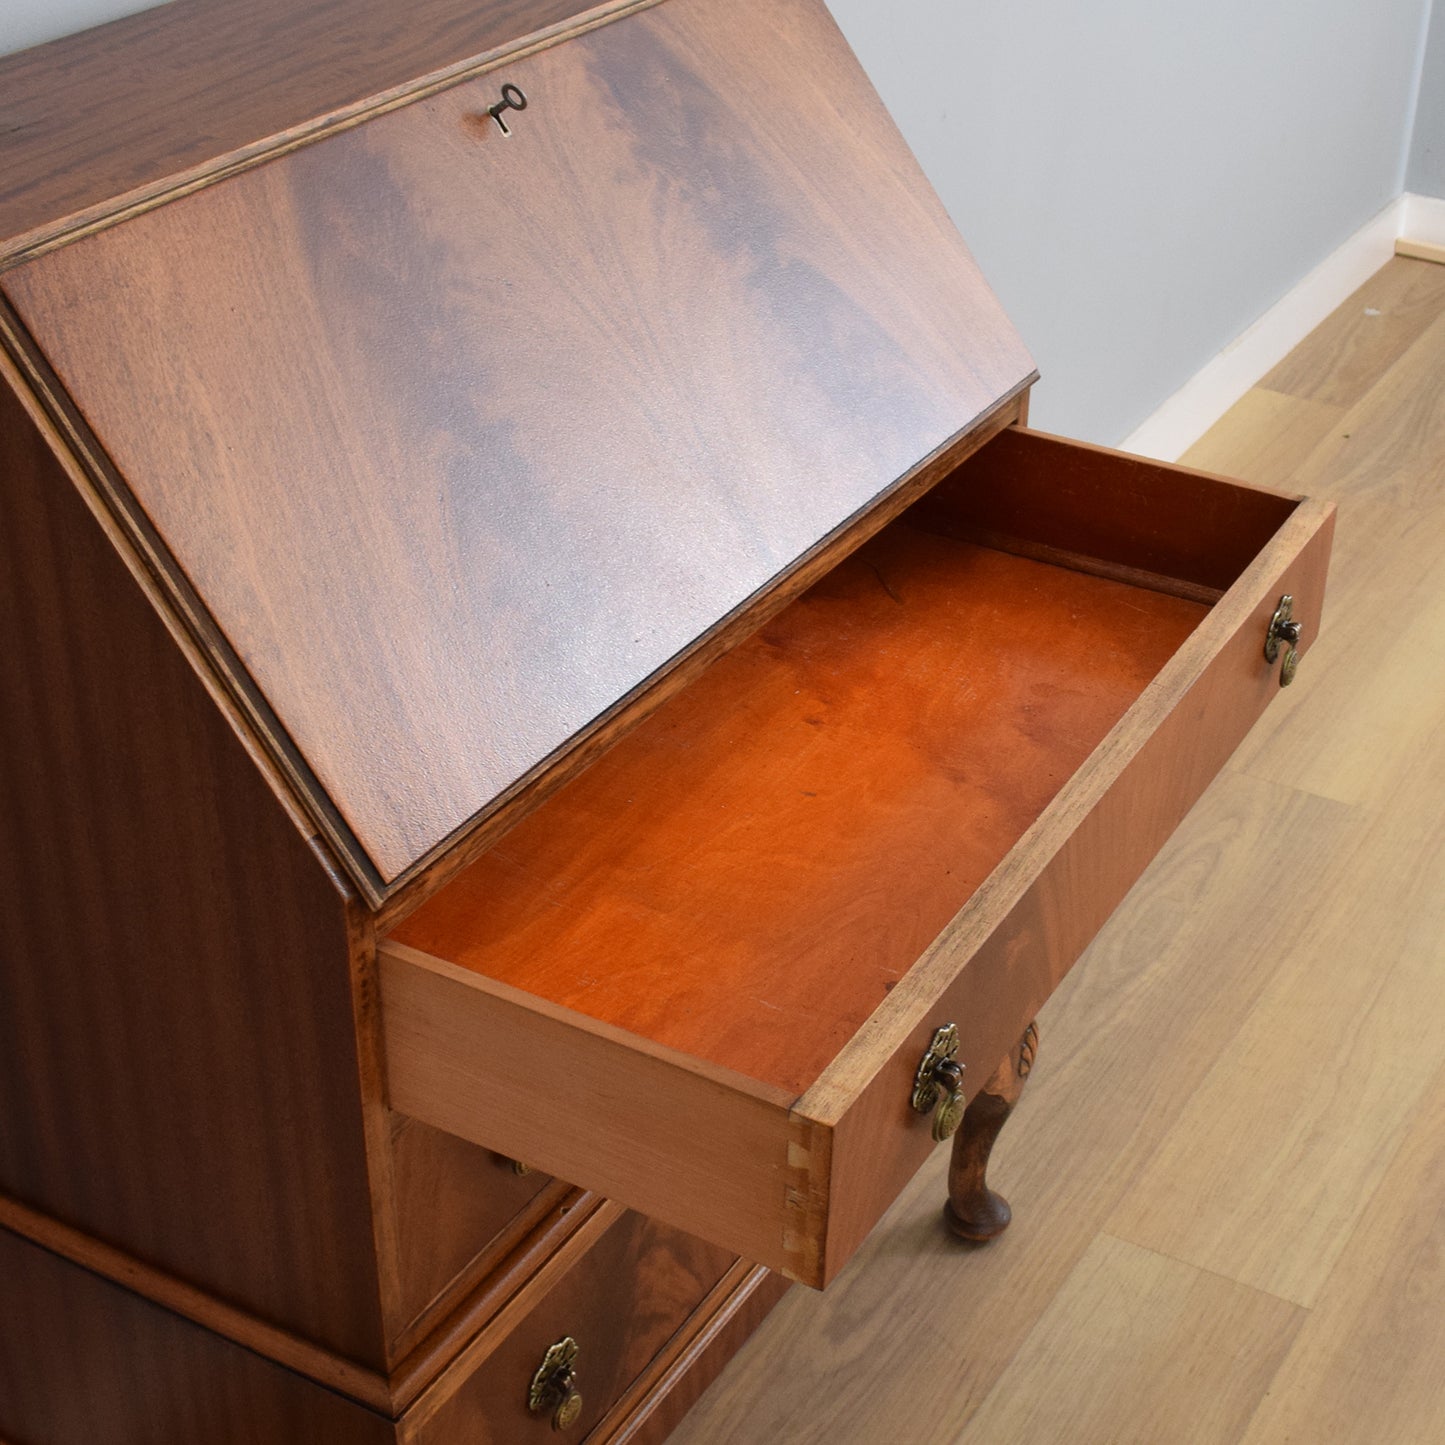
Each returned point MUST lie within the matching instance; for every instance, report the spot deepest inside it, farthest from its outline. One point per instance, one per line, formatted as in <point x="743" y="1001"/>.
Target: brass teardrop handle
<point x="1284" y="629"/>
<point x="554" y="1386"/>
<point x="938" y="1084"/>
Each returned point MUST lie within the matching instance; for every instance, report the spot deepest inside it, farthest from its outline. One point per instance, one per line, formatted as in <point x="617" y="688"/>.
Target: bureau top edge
<point x="105" y="123"/>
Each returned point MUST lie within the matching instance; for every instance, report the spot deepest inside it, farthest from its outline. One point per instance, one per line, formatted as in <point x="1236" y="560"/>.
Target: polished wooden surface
<point x="153" y="1050"/>
<point x="1166" y="527"/>
<point x="1026" y="929"/>
<point x="688" y="1142"/>
<point x="622" y="1300"/>
<point x="458" y="1210"/>
<point x="83" y="1361"/>
<point x="694" y="1357"/>
<point x="1277" y="965"/>
<point x="176" y="956"/>
<point x="759" y="612"/>
<point x="95" y="119"/>
<point x="474" y="435"/>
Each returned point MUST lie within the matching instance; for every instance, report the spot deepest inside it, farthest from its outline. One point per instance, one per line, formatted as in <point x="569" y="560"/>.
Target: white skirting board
<point x="1422" y="229"/>
<point x="1212" y="390"/>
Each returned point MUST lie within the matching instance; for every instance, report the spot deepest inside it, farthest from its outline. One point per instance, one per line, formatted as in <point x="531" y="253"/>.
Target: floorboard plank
<point x="1365" y="1365"/>
<point x="1136" y="1349"/>
<point x="1266" y="437"/>
<point x="1272" y="1164"/>
<point x="1366" y="335"/>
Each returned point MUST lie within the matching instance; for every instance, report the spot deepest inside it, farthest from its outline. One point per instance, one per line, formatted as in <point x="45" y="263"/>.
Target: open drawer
<point x="700" y="978"/>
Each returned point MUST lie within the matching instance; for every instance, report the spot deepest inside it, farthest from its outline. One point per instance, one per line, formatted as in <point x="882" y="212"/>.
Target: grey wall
<point x="1426" y="174"/>
<point x="28" y="22"/>
<point x="1140" y="181"/>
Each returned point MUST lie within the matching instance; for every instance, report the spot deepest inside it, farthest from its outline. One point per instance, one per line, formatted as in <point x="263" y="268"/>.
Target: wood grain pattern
<point x="1282" y="431"/>
<point x="1358" y="343"/>
<point x="1146" y="517"/>
<point x="435" y="1201"/>
<point x="975" y="1211"/>
<point x="1370" y="460"/>
<point x="459" y="1210"/>
<point x="634" y="1288"/>
<point x="746" y="875"/>
<point x="367" y="1386"/>
<point x="570" y="437"/>
<point x="820" y="561"/>
<point x="1365" y="1364"/>
<point x="649" y="1412"/>
<point x="1169" y="745"/>
<point x="916" y="1332"/>
<point x="176" y="955"/>
<point x="1170" y="1353"/>
<point x="560" y="1231"/>
<point x="118" y="114"/>
<point x="1274" y="1202"/>
<point x="705" y="1149"/>
<point x="82" y="1360"/>
<point x="996" y="964"/>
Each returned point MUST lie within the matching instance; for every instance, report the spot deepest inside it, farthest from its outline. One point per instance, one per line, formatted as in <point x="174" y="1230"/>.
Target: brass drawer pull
<point x="554" y="1386"/>
<point x="939" y="1081"/>
<point x="1283" y="628"/>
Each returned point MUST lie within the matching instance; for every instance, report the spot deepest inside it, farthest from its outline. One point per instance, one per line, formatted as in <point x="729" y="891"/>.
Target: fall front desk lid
<point x="463" y="427"/>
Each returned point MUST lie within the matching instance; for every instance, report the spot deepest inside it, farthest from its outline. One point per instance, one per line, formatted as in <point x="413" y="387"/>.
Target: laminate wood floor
<point x="1228" y="1169"/>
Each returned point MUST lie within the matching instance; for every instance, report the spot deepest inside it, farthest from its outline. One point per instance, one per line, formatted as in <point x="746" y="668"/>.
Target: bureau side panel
<point x="83" y="1361"/>
<point x="178" y="1065"/>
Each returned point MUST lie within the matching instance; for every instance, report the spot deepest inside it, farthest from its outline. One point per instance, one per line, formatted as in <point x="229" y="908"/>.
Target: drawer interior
<point x="745" y="876"/>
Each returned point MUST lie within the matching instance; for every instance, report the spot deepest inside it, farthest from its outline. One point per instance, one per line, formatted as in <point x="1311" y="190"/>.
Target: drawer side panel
<point x="992" y="986"/>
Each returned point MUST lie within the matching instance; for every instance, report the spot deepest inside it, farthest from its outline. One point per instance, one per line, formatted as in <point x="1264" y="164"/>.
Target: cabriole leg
<point x="973" y="1210"/>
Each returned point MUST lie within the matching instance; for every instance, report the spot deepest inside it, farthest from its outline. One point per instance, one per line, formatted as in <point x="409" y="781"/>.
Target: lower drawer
<point x="618" y="1290"/>
<point x="701" y="977"/>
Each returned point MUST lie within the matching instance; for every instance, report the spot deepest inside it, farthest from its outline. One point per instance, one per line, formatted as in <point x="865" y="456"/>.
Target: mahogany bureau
<point x="536" y="645"/>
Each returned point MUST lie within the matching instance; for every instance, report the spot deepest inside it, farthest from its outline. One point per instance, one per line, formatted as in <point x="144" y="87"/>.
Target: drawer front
<point x="459" y="1210"/>
<point x="620" y="1288"/>
<point x="794" y="1178"/>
